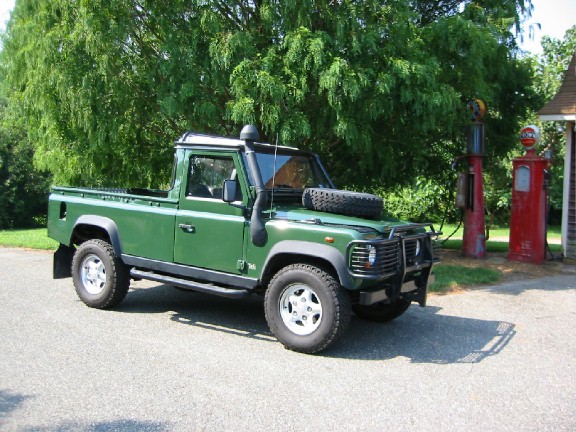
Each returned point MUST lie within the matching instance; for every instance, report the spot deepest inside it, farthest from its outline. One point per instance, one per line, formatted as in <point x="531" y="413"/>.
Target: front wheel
<point x="101" y="279"/>
<point x="381" y="312"/>
<point x="306" y="308"/>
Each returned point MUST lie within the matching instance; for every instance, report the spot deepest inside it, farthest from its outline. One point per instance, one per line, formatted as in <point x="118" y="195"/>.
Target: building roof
<point x="563" y="104"/>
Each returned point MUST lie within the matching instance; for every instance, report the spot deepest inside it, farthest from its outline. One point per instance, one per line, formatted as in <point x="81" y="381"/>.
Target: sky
<point x="554" y="17"/>
<point x="5" y="7"/>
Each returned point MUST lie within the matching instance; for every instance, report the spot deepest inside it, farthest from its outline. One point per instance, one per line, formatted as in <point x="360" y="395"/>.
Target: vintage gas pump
<point x="528" y="219"/>
<point x="474" y="241"/>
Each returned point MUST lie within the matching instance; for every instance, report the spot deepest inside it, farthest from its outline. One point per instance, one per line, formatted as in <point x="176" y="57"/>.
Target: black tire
<point x="321" y="315"/>
<point x="101" y="279"/>
<point x="381" y="312"/>
<point x="343" y="202"/>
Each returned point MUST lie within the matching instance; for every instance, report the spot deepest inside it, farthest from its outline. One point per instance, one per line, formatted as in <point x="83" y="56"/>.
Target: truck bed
<point x="143" y="218"/>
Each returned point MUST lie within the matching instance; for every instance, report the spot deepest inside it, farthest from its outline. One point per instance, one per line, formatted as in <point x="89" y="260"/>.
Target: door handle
<point x="187" y="227"/>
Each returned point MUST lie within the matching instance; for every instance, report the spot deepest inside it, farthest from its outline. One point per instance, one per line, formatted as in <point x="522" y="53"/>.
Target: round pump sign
<point x="477" y="109"/>
<point x="530" y="136"/>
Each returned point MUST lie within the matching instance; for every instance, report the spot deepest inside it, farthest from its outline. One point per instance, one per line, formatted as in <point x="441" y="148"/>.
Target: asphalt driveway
<point x="500" y="358"/>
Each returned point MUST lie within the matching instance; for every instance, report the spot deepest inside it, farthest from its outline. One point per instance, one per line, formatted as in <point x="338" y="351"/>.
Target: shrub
<point x="424" y="201"/>
<point x="23" y="189"/>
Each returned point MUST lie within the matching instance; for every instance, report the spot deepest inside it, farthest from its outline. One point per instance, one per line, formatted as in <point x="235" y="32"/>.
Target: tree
<point x="105" y="87"/>
<point x="547" y="74"/>
<point x="552" y="66"/>
<point x="23" y="189"/>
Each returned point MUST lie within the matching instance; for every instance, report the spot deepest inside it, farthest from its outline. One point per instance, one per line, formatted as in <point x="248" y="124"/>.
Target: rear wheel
<point x="381" y="312"/>
<point x="101" y="279"/>
<point x="306" y="308"/>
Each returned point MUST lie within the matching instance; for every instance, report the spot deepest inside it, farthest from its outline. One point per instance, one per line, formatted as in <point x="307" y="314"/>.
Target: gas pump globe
<point x="528" y="218"/>
<point x="530" y="137"/>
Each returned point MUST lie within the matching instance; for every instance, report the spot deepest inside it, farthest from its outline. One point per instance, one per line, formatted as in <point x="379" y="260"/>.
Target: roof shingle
<point x="563" y="104"/>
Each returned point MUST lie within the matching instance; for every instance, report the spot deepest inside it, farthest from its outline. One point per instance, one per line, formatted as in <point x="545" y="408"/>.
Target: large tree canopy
<point x="104" y="87"/>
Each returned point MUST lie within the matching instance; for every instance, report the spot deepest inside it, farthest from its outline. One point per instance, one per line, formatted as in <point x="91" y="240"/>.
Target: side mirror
<point x="229" y="191"/>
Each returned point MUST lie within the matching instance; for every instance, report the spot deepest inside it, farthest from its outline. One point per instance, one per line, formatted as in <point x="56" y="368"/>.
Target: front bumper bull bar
<point x="401" y="263"/>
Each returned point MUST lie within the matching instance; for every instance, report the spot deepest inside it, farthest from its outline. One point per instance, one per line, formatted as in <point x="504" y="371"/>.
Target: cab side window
<point x="206" y="175"/>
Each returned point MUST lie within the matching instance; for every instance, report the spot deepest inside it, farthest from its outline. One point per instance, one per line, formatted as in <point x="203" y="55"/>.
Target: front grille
<point x="410" y="248"/>
<point x="386" y="261"/>
<point x="396" y="255"/>
<point x="415" y="249"/>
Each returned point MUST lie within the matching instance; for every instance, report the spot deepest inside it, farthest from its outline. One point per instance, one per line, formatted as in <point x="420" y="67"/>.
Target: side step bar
<point x="191" y="285"/>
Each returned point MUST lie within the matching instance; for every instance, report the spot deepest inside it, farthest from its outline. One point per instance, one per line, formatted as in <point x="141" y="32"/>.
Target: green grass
<point x="28" y="238"/>
<point x="501" y="232"/>
<point x="452" y="276"/>
<point x="492" y="246"/>
<point x="498" y="241"/>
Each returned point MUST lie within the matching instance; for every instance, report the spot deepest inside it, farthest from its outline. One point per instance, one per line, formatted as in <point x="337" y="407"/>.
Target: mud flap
<point x="62" y="263"/>
<point x="420" y="294"/>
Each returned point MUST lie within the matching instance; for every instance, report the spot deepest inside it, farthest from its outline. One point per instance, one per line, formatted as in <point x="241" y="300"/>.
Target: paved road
<point x="494" y="359"/>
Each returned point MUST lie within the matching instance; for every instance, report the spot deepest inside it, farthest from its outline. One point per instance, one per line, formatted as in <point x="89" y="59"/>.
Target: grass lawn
<point x="451" y="276"/>
<point x="498" y="241"/>
<point x="36" y="238"/>
<point x="495" y="232"/>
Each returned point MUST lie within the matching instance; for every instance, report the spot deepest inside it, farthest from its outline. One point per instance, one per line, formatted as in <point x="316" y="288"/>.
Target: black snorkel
<point x="258" y="235"/>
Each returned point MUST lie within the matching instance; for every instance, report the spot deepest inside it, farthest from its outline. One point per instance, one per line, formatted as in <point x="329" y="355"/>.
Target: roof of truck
<point x="192" y="139"/>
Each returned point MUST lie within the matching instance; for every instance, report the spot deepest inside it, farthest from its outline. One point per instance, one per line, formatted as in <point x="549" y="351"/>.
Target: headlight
<point x="371" y="255"/>
<point x="418" y="248"/>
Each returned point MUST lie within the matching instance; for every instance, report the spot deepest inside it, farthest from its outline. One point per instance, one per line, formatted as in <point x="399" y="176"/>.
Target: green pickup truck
<point x="242" y="217"/>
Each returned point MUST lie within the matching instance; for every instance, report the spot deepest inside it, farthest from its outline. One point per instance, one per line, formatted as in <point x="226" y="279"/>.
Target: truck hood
<point x="300" y="214"/>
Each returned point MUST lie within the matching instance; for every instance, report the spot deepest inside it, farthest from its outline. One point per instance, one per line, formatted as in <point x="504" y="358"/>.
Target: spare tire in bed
<point x="343" y="202"/>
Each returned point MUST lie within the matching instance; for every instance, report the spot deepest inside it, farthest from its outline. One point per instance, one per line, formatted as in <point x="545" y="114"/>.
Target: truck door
<point x="209" y="232"/>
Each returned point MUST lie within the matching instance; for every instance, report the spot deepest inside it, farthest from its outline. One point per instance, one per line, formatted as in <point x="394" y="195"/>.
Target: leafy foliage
<point x="548" y="72"/>
<point x="424" y="200"/>
<point x="552" y="67"/>
<point x="105" y="87"/>
<point x="23" y="190"/>
<point x="554" y="61"/>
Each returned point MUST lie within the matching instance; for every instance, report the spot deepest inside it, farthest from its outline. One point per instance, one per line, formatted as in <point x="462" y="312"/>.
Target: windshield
<point x="290" y="171"/>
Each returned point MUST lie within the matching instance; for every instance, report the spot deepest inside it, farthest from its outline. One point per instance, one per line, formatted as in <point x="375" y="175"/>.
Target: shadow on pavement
<point x="422" y="335"/>
<point x="106" y="426"/>
<point x="425" y="336"/>
<point x="10" y="401"/>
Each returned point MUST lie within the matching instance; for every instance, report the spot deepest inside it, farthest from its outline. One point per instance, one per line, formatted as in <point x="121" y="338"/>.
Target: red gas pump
<point x="474" y="241"/>
<point x="528" y="219"/>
